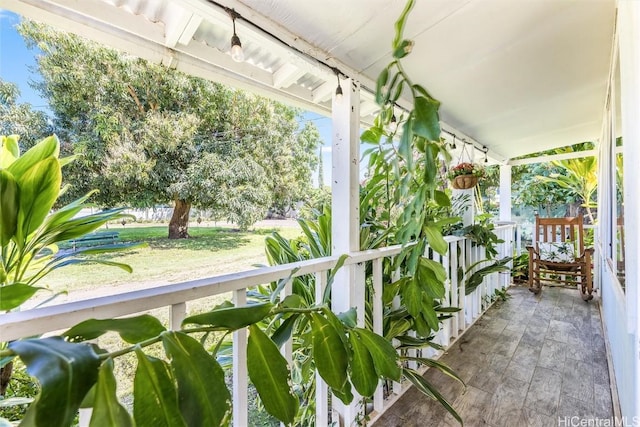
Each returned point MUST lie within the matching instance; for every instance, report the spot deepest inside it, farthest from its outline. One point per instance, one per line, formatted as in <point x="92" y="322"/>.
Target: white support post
<point x="345" y="205"/>
<point x="505" y="193"/>
<point x="469" y="212"/>
<point x="240" y="374"/>
<point x="629" y="33"/>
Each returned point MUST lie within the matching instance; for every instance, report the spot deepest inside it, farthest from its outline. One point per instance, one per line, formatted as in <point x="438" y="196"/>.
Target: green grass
<point x="209" y="252"/>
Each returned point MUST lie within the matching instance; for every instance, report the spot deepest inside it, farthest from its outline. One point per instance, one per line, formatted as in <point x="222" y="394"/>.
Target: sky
<point x="18" y="66"/>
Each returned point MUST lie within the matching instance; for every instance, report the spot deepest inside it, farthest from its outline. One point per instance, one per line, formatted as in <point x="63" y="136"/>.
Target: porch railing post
<point x="345" y="227"/>
<point x="505" y="192"/>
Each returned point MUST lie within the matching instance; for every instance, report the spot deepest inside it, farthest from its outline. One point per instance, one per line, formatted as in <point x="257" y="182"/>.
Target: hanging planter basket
<point x="464" y="182"/>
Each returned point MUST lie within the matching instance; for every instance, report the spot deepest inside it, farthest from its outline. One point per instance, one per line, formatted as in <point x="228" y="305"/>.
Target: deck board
<point x="529" y="361"/>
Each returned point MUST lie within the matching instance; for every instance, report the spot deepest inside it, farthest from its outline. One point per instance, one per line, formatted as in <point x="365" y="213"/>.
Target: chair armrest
<point x="532" y="250"/>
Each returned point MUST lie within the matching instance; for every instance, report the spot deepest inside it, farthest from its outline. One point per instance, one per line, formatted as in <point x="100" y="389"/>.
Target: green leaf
<point x="39" y="189"/>
<point x="9" y="150"/>
<point x="284" y="331"/>
<point x="131" y="329"/>
<point x="9" y="203"/>
<point x="441" y="198"/>
<point x="329" y="352"/>
<point x="412" y="297"/>
<point x="232" y="318"/>
<point x="363" y="374"/>
<point x="270" y="375"/>
<point x="385" y="358"/>
<point x="442" y="367"/>
<point x="435" y="239"/>
<point x="428" y="389"/>
<point x="48" y="148"/>
<point x="155" y="402"/>
<point x="203" y="396"/>
<point x="107" y="410"/>
<point x="349" y="318"/>
<point x="65" y="371"/>
<point x="426" y="122"/>
<point x="13" y="295"/>
<point x="404" y="48"/>
<point x="383" y="77"/>
<point x="400" y="23"/>
<point x="404" y="147"/>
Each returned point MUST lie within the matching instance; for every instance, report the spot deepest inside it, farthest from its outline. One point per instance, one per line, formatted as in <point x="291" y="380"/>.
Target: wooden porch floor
<point x="529" y="361"/>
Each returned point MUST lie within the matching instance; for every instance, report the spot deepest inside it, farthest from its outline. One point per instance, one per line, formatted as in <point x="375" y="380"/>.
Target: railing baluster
<point x="240" y="375"/>
<point x="178" y="313"/>
<point x="395" y="304"/>
<point x="452" y="272"/>
<point x="322" y="391"/>
<point x="377" y="313"/>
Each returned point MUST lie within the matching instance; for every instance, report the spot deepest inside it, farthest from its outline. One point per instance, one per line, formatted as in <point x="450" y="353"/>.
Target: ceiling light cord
<point x="236" y="46"/>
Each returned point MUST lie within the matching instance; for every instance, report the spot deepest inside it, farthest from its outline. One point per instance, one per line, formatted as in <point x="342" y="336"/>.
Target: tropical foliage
<point x="146" y="134"/>
<point x="400" y="203"/>
<point x="30" y="185"/>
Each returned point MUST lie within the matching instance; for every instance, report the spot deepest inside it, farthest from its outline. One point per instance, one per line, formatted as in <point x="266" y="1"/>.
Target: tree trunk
<point x="5" y="376"/>
<point x="179" y="223"/>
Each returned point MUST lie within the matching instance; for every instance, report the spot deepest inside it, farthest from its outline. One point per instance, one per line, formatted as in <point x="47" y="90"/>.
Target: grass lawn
<point x="209" y="252"/>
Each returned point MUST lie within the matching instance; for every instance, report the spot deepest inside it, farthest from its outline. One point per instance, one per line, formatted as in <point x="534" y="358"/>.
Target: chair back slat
<point x="560" y="230"/>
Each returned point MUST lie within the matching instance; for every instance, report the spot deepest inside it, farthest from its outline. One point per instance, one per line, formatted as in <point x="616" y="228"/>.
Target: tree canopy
<point x="146" y="134"/>
<point x="20" y="118"/>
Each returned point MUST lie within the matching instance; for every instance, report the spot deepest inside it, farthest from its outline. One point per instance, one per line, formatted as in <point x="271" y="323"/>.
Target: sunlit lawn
<point x="209" y="252"/>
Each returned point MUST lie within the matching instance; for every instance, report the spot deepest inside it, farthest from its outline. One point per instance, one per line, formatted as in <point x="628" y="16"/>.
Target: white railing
<point x="461" y="255"/>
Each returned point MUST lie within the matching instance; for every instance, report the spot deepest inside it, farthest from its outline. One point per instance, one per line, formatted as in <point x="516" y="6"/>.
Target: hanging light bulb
<point x="486" y="150"/>
<point x="339" y="88"/>
<point x="236" y="47"/>
<point x="453" y="146"/>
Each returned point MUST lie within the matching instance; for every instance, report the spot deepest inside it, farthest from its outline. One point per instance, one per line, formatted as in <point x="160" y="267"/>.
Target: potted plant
<point x="465" y="175"/>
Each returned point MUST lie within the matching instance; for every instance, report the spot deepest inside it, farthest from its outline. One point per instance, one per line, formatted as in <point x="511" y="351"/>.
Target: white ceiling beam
<point x="323" y="92"/>
<point x="552" y="157"/>
<point x="286" y="75"/>
<point x="181" y="29"/>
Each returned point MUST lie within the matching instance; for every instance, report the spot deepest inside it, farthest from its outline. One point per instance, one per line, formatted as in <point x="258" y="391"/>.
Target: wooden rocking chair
<point x="558" y="255"/>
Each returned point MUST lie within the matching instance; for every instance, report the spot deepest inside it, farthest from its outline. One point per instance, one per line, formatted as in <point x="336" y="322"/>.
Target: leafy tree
<point x="145" y="134"/>
<point x="21" y="119"/>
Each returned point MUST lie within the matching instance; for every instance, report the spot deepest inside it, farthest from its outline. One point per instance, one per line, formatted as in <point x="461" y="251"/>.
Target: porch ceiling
<point x="518" y="76"/>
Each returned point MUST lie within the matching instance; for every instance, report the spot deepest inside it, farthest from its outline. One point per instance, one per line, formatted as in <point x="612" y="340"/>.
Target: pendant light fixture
<point x="453" y="146"/>
<point x="236" y="47"/>
<point x="339" y="88"/>
<point x="486" y="150"/>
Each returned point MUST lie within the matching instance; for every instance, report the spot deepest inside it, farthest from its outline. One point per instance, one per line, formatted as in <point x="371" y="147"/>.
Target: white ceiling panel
<point x="518" y="76"/>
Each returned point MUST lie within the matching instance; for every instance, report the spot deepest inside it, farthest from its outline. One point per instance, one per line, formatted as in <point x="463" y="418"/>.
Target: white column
<point x="345" y="226"/>
<point x="629" y="33"/>
<point x="469" y="208"/>
<point x="505" y="192"/>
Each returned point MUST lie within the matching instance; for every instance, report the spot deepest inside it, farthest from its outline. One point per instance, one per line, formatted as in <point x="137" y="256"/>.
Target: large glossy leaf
<point x="131" y="329"/>
<point x="435" y="239"/>
<point x="203" y="396"/>
<point x="412" y="297"/>
<point x="385" y="358"/>
<point x="363" y="373"/>
<point x="232" y="318"/>
<point x="329" y="352"/>
<point x="65" y="371"/>
<point x="425" y="121"/>
<point x="155" y="401"/>
<point x="45" y="149"/>
<point x="39" y="189"/>
<point x="9" y="203"/>
<point x="284" y="331"/>
<point x="12" y="296"/>
<point x="428" y="389"/>
<point x="270" y="375"/>
<point x="107" y="410"/>
<point x="9" y="150"/>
